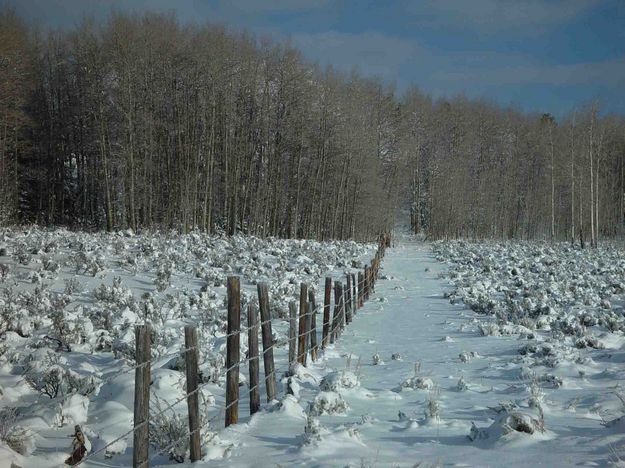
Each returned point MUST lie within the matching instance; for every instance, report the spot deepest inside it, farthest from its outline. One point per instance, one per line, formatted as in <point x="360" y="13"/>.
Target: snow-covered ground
<point x="68" y="303"/>
<point x="466" y="355"/>
<point x="413" y="381"/>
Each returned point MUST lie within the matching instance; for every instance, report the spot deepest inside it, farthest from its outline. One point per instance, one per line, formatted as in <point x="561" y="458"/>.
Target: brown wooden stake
<point x="367" y="285"/>
<point x="361" y="285"/>
<point x="348" y="300"/>
<point x="313" y="324"/>
<point x="254" y="364"/>
<point x="336" y="315"/>
<point x="265" y="318"/>
<point x="303" y="302"/>
<point x="232" y="350"/>
<point x="292" y="332"/>
<point x="374" y="274"/>
<point x="142" y="397"/>
<point x="326" y="312"/>
<point x="354" y="297"/>
<point x="191" y="364"/>
<point x="308" y="328"/>
<point x="341" y="308"/>
<point x="338" y="309"/>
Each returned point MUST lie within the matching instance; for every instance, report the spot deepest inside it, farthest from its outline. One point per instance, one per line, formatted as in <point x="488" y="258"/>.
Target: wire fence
<point x="346" y="302"/>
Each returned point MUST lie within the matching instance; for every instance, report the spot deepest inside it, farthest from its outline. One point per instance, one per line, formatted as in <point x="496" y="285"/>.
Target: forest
<point x="144" y="123"/>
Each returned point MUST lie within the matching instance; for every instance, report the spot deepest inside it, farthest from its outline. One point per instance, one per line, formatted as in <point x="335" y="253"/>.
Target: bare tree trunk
<point x="572" y="147"/>
<point x="592" y="194"/>
<point x="553" y="186"/>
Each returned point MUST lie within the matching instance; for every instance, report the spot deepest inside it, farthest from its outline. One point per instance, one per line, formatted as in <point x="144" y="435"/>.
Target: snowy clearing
<point x="466" y="355"/>
<point x="414" y="381"/>
<point x="69" y="302"/>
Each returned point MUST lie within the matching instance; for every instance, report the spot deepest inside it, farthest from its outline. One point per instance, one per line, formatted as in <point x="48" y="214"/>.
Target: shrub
<point x="16" y="437"/>
<point x="168" y="432"/>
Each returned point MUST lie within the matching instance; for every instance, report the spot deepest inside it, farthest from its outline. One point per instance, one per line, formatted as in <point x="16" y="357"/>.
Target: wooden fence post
<point x="338" y="309"/>
<point x="354" y="297"/>
<point x="142" y="397"/>
<point x="308" y="328"/>
<point x="313" y="324"/>
<point x="326" y="312"/>
<point x="348" y="299"/>
<point x="232" y="350"/>
<point x="361" y="285"/>
<point x="341" y="307"/>
<point x="303" y="302"/>
<point x="374" y="273"/>
<point x="254" y="364"/>
<point x="292" y="332"/>
<point x="191" y="364"/>
<point x="367" y="283"/>
<point x="335" y="315"/>
<point x="265" y="318"/>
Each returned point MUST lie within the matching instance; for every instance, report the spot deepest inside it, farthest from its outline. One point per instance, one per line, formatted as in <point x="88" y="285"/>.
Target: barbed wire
<point x="222" y="410"/>
<point x="352" y="301"/>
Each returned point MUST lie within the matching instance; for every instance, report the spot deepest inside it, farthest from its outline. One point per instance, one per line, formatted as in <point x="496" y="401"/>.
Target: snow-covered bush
<point x="418" y="382"/>
<point x="163" y="277"/>
<point x="336" y="381"/>
<point x="168" y="432"/>
<point x="22" y="254"/>
<point x="19" y="439"/>
<point x="462" y="386"/>
<point x="432" y="409"/>
<point x="48" y="382"/>
<point x="55" y="380"/>
<point x="507" y="423"/>
<point x="313" y="431"/>
<point x="4" y="272"/>
<point x="328" y="403"/>
<point x="72" y="286"/>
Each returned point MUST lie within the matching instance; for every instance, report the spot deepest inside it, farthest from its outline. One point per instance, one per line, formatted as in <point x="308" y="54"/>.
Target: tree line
<point x="142" y="122"/>
<point x="483" y="171"/>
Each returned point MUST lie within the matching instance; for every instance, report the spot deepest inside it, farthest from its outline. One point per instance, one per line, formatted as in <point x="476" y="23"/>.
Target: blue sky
<point x="537" y="55"/>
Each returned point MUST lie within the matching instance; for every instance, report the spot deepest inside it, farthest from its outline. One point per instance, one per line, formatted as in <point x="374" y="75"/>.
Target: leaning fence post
<point x="309" y="309"/>
<point x="252" y="344"/>
<point x="326" y="312"/>
<point x="341" y="307"/>
<point x="361" y="288"/>
<point x="335" y="315"/>
<point x="313" y="324"/>
<point x="265" y="317"/>
<point x="232" y="350"/>
<point x="191" y="364"/>
<point x="367" y="283"/>
<point x="292" y="332"/>
<point x="142" y="397"/>
<point x="303" y="298"/>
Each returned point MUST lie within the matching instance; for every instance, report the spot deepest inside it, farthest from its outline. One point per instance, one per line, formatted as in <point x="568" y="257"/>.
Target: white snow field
<point x="68" y="305"/>
<point x="441" y="393"/>
<point x="524" y="377"/>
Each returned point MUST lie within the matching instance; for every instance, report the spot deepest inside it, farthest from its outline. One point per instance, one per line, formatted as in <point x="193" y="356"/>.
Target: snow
<point x="516" y="412"/>
<point x="492" y="354"/>
<point x="68" y="305"/>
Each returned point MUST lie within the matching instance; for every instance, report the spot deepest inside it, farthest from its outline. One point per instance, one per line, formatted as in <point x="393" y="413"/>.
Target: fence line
<point x="347" y="301"/>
